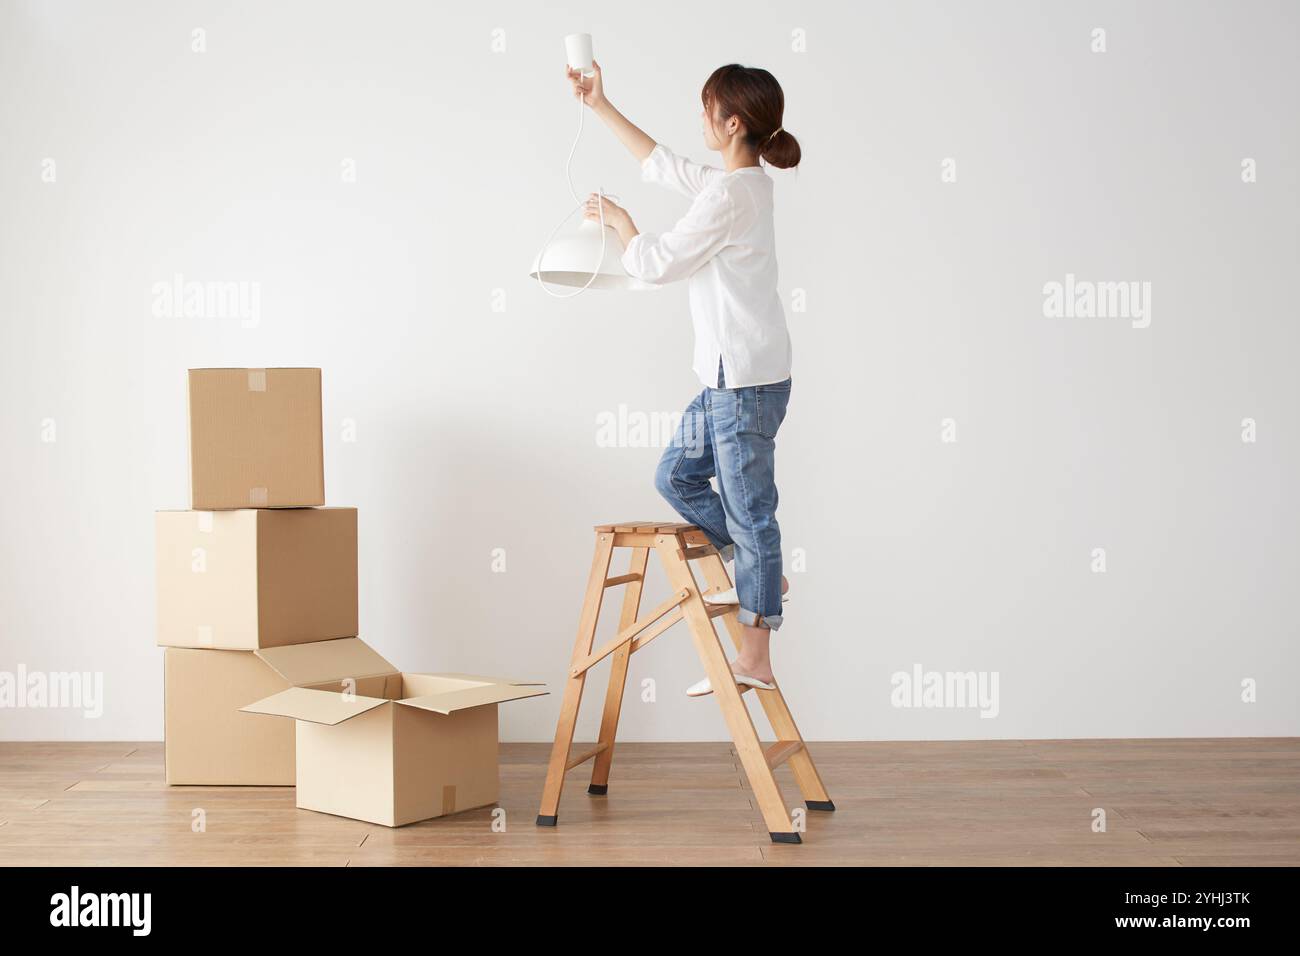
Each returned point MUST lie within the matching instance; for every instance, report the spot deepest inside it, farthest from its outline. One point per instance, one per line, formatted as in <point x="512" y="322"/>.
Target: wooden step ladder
<point x="677" y="545"/>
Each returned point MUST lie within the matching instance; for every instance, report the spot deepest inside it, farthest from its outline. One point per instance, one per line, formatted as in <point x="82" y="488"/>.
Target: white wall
<point x="476" y="429"/>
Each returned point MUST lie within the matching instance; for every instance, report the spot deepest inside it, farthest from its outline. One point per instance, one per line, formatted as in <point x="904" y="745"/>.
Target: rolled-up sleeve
<point x="694" y="240"/>
<point x="666" y="168"/>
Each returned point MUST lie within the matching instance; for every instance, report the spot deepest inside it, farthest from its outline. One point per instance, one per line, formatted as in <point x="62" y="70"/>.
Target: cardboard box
<point x="241" y="580"/>
<point x="206" y="739"/>
<point x="209" y="741"/>
<point x="255" y="438"/>
<point x="402" y="748"/>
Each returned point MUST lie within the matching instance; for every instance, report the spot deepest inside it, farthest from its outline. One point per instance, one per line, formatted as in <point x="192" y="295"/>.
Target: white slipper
<point x="703" y="688"/>
<point x="729" y="597"/>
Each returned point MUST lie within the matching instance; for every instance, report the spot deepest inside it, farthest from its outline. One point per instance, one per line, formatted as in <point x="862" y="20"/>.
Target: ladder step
<point x="585" y="755"/>
<point x="692" y="554"/>
<point x="647" y="527"/>
<point x="622" y="579"/>
<point x="717" y="610"/>
<point x="781" y="751"/>
<point x="691" y="536"/>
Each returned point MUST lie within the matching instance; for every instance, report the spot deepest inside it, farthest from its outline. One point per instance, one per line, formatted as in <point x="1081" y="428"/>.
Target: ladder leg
<point x="618" y="675"/>
<point x="546" y="815"/>
<point x="774" y="705"/>
<point x="743" y="734"/>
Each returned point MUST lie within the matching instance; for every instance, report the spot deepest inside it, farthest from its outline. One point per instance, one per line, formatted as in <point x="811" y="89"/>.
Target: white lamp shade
<point x="571" y="257"/>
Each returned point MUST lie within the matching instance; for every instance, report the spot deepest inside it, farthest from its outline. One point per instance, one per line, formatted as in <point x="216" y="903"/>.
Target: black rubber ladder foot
<point x="784" y="837"/>
<point x="598" y="789"/>
<point x="545" y="821"/>
<point x="819" y="805"/>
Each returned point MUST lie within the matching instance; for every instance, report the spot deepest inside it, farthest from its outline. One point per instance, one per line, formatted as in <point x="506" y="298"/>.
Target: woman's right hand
<point x="589" y="88"/>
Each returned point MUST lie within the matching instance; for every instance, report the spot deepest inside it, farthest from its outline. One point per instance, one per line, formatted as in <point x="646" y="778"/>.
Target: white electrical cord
<point x="568" y="175"/>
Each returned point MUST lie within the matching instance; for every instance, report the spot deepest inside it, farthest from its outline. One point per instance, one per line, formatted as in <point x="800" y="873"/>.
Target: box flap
<point x="316" y="706"/>
<point x="325" y="661"/>
<point x="453" y="700"/>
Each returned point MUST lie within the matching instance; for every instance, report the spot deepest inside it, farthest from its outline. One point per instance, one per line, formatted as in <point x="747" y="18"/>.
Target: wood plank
<point x="584" y="755"/>
<point x="697" y="553"/>
<point x="627" y="634"/>
<point x="621" y="579"/>
<point x="781" y="751"/>
<point x="572" y="701"/>
<point x="741" y="726"/>
<point x="773" y="702"/>
<point x="618" y="668"/>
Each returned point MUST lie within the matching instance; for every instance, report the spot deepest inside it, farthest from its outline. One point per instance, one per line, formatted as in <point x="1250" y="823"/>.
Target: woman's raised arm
<point x="592" y="90"/>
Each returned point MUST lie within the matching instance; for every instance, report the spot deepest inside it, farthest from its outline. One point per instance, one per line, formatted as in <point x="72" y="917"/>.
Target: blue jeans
<point x="730" y="433"/>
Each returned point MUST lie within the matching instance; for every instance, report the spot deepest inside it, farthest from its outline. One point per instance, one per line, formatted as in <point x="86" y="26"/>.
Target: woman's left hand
<point x="615" y="215"/>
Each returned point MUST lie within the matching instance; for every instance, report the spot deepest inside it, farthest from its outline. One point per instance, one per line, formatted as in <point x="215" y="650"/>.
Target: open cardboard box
<point x="396" y="748"/>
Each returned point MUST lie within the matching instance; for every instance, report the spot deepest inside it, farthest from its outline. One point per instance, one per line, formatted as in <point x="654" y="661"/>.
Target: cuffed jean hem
<point x="725" y="551"/>
<point x="750" y="619"/>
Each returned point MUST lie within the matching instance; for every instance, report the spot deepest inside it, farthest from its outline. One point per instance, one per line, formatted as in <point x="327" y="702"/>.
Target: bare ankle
<point x="753" y="666"/>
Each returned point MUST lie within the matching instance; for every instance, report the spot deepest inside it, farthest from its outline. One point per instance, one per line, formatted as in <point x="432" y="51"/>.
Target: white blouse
<point x="725" y="246"/>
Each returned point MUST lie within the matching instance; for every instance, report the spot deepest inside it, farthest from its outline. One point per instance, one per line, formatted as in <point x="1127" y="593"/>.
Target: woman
<point x="725" y="246"/>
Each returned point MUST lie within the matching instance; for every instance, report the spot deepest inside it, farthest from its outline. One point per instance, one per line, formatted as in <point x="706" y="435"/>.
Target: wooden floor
<point x="1167" y="802"/>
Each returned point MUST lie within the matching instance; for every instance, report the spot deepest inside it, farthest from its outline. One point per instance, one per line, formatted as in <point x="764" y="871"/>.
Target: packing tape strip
<point x="257" y="380"/>
<point x="257" y="497"/>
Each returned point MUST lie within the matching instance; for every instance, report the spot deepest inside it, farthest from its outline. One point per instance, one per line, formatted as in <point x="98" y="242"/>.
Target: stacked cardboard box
<point x="257" y="610"/>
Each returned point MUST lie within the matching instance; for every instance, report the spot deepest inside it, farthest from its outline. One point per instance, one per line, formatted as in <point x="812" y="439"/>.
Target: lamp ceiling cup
<point x="570" y="259"/>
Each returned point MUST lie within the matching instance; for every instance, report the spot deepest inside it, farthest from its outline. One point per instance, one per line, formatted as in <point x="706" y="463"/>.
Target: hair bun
<point x="781" y="149"/>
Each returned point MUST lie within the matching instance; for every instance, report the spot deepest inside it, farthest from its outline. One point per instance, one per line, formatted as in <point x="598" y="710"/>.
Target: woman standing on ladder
<point x="725" y="247"/>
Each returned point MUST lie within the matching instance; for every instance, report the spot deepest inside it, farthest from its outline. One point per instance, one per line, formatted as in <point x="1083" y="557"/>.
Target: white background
<point x="476" y="429"/>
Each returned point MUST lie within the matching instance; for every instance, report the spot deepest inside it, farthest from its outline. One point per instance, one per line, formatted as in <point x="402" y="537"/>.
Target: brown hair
<point x="753" y="95"/>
